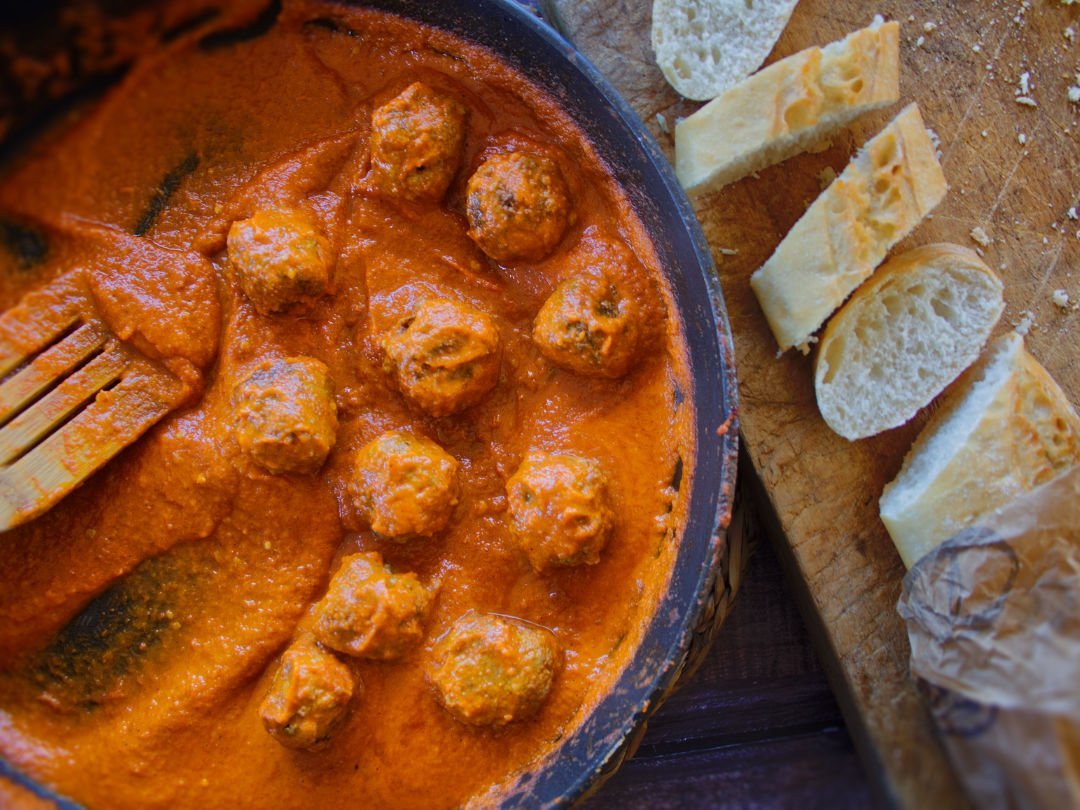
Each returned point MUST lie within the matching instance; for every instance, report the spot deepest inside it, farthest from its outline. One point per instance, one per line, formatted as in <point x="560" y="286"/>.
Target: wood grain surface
<point x="1014" y="172"/>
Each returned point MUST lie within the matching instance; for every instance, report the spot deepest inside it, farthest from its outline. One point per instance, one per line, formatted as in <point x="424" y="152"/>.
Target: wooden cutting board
<point x="1014" y="171"/>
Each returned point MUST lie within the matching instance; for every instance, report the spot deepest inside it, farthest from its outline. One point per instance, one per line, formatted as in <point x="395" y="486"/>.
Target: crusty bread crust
<point x="1005" y="428"/>
<point x="903" y="336"/>
<point x="787" y="107"/>
<point x="884" y="192"/>
<point x="706" y="46"/>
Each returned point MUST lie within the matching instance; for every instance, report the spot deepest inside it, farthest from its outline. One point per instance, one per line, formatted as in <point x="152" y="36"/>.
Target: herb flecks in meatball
<point x="281" y="258"/>
<point x="589" y="326"/>
<point x="559" y="510"/>
<point x="404" y="485"/>
<point x="518" y="206"/>
<point x="444" y="357"/>
<point x="416" y="143"/>
<point x="491" y="670"/>
<point x="284" y="414"/>
<point x="309" y="696"/>
<point x="370" y="612"/>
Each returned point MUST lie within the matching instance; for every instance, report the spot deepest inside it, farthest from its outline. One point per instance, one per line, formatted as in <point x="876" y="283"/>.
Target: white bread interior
<point x="788" y="107"/>
<point x="903" y="336"/>
<point x="888" y="187"/>
<point x="706" y="46"/>
<point x="1006" y="427"/>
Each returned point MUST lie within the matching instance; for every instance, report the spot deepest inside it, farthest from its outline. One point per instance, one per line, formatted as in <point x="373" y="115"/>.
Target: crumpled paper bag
<point x="993" y="616"/>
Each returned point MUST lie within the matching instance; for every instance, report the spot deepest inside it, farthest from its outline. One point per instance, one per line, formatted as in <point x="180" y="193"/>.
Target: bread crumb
<point x="935" y="139"/>
<point x="929" y="27"/>
<point x="981" y="236"/>
<point x="1027" y="101"/>
<point x="1070" y="33"/>
<point x="1060" y="299"/>
<point x="826" y="176"/>
<point x="1072" y="214"/>
<point x="1022" y="138"/>
<point x="985" y="133"/>
<point x="1046" y="240"/>
<point x="661" y="121"/>
<point x="1025" y="84"/>
<point x="1024" y="325"/>
<point x="727" y="251"/>
<point x="1074" y="93"/>
<point x="976" y="47"/>
<point x="919" y="42"/>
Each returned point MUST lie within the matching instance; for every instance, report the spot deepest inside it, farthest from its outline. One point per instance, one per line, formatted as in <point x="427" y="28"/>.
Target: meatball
<point x="559" y="510"/>
<point x="490" y="670"/>
<point x="309" y="696"/>
<point x="281" y="258"/>
<point x="284" y="415"/>
<point x="518" y="206"/>
<point x="370" y="612"/>
<point x="416" y="143"/>
<point x="588" y="326"/>
<point x="404" y="485"/>
<point x="444" y="357"/>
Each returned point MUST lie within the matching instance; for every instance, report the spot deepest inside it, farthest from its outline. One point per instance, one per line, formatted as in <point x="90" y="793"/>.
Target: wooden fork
<point x="72" y="396"/>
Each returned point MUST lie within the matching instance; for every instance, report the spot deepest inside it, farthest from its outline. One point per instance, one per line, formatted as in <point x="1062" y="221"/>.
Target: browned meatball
<point x="284" y="415"/>
<point x="404" y="485"/>
<point x="589" y="326"/>
<point x="559" y="510"/>
<point x="444" y="357"/>
<point x="491" y="670"/>
<point x="370" y="612"/>
<point x="416" y="143"/>
<point x="281" y="258"/>
<point x="309" y="696"/>
<point x="518" y="206"/>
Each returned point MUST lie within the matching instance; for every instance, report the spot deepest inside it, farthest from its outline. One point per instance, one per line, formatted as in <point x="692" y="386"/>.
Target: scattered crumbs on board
<point x="1060" y="299"/>
<point x="935" y="140"/>
<point x="980" y="236"/>
<point x="1025" y="84"/>
<point x="1024" y="326"/>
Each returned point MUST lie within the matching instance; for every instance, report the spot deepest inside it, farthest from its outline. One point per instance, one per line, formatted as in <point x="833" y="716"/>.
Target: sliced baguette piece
<point x="788" y="107"/>
<point x="890" y="185"/>
<point x="1005" y="428"/>
<point x="706" y="46"/>
<point x="903" y="336"/>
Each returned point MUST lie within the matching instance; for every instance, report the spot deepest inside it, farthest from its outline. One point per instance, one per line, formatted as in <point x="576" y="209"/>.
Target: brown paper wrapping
<point x="993" y="617"/>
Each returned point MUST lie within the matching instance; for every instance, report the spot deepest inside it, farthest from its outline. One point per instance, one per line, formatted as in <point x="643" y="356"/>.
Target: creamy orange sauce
<point x="140" y="619"/>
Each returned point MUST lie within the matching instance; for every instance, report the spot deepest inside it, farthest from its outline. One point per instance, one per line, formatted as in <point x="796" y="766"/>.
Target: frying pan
<point x="590" y="753"/>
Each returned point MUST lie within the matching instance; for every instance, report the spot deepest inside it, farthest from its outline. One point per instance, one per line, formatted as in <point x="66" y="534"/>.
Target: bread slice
<point x="787" y="107"/>
<point x="890" y="185"/>
<point x="903" y="336"/>
<point x="1005" y="428"/>
<point x="706" y="46"/>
